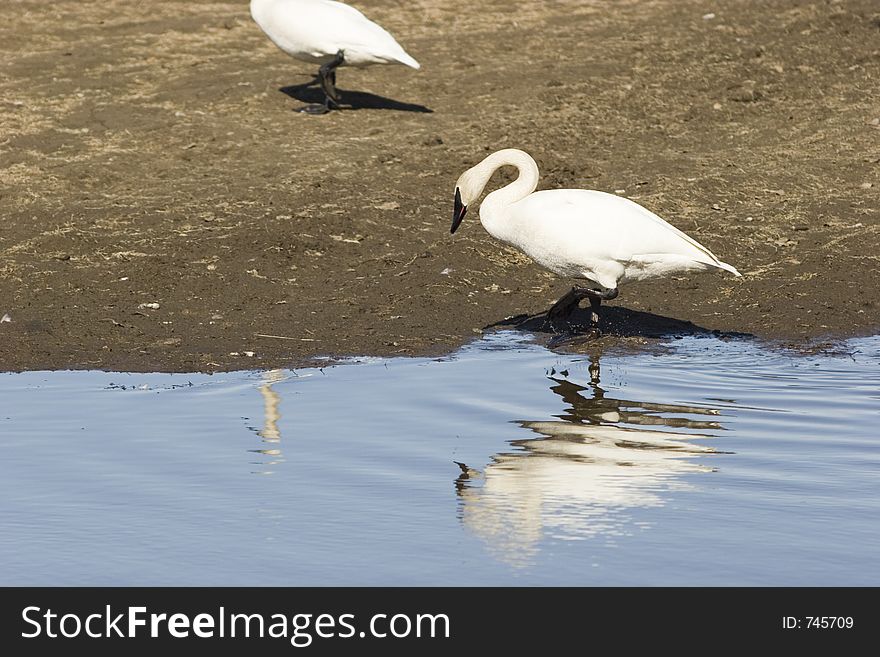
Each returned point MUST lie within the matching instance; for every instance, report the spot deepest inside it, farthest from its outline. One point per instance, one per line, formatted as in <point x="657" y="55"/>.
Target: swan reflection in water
<point x="584" y="471"/>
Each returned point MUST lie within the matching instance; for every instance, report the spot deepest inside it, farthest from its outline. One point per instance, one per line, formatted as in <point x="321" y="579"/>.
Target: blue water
<point x="708" y="462"/>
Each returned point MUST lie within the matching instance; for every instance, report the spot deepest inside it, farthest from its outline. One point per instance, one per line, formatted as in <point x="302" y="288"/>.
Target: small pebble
<point x="151" y="306"/>
<point x="745" y="94"/>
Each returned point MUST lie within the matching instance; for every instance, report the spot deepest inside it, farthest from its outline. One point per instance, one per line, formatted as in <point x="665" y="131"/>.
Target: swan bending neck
<point x="524" y="185"/>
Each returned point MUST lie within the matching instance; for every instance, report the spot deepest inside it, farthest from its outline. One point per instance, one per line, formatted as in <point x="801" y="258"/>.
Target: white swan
<point x="578" y="233"/>
<point x="328" y="33"/>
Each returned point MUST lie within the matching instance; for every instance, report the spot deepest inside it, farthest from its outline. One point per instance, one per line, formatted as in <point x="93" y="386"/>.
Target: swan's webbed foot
<point x="563" y="309"/>
<point x="315" y="109"/>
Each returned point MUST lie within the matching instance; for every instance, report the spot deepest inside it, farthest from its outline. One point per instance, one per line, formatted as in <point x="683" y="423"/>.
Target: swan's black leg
<point x="328" y="76"/>
<point x="596" y="298"/>
<point x="595" y="302"/>
<point x="563" y="308"/>
<point x="327" y="79"/>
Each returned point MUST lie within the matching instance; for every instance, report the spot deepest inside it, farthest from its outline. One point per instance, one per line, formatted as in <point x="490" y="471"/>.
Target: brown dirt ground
<point x="149" y="156"/>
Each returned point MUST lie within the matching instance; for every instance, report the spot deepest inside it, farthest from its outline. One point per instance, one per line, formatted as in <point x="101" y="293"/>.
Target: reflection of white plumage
<point x="330" y="34"/>
<point x="578" y="478"/>
<point x="573" y="484"/>
<point x="578" y="233"/>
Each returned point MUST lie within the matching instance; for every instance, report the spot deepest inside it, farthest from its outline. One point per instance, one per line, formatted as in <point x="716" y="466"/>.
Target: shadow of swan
<point x="616" y="321"/>
<point x="351" y="100"/>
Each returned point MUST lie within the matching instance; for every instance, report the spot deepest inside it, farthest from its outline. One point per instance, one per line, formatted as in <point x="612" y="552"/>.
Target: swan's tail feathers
<point x="726" y="267"/>
<point x="404" y="58"/>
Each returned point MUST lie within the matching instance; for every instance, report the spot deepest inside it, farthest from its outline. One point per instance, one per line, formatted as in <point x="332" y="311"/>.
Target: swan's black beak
<point x="459" y="211"/>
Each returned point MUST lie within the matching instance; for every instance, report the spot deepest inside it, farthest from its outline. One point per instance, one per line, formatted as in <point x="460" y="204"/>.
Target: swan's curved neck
<point x="494" y="204"/>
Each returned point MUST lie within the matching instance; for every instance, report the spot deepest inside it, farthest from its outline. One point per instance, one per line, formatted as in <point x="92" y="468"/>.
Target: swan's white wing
<point x="362" y="39"/>
<point x="320" y="28"/>
<point x="567" y="227"/>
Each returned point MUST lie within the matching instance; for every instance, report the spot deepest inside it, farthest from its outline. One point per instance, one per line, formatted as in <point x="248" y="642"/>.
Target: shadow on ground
<point x="309" y="93"/>
<point x="615" y="321"/>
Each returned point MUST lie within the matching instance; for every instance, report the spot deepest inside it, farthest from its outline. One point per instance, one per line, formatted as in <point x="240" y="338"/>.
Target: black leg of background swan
<point x="327" y="79"/>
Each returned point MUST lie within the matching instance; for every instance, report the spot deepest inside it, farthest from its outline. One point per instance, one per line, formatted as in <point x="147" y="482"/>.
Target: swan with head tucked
<point x="584" y="234"/>
<point x="330" y="34"/>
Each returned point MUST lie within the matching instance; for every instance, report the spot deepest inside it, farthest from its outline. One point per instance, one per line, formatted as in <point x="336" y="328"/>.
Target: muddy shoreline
<point x="165" y="208"/>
